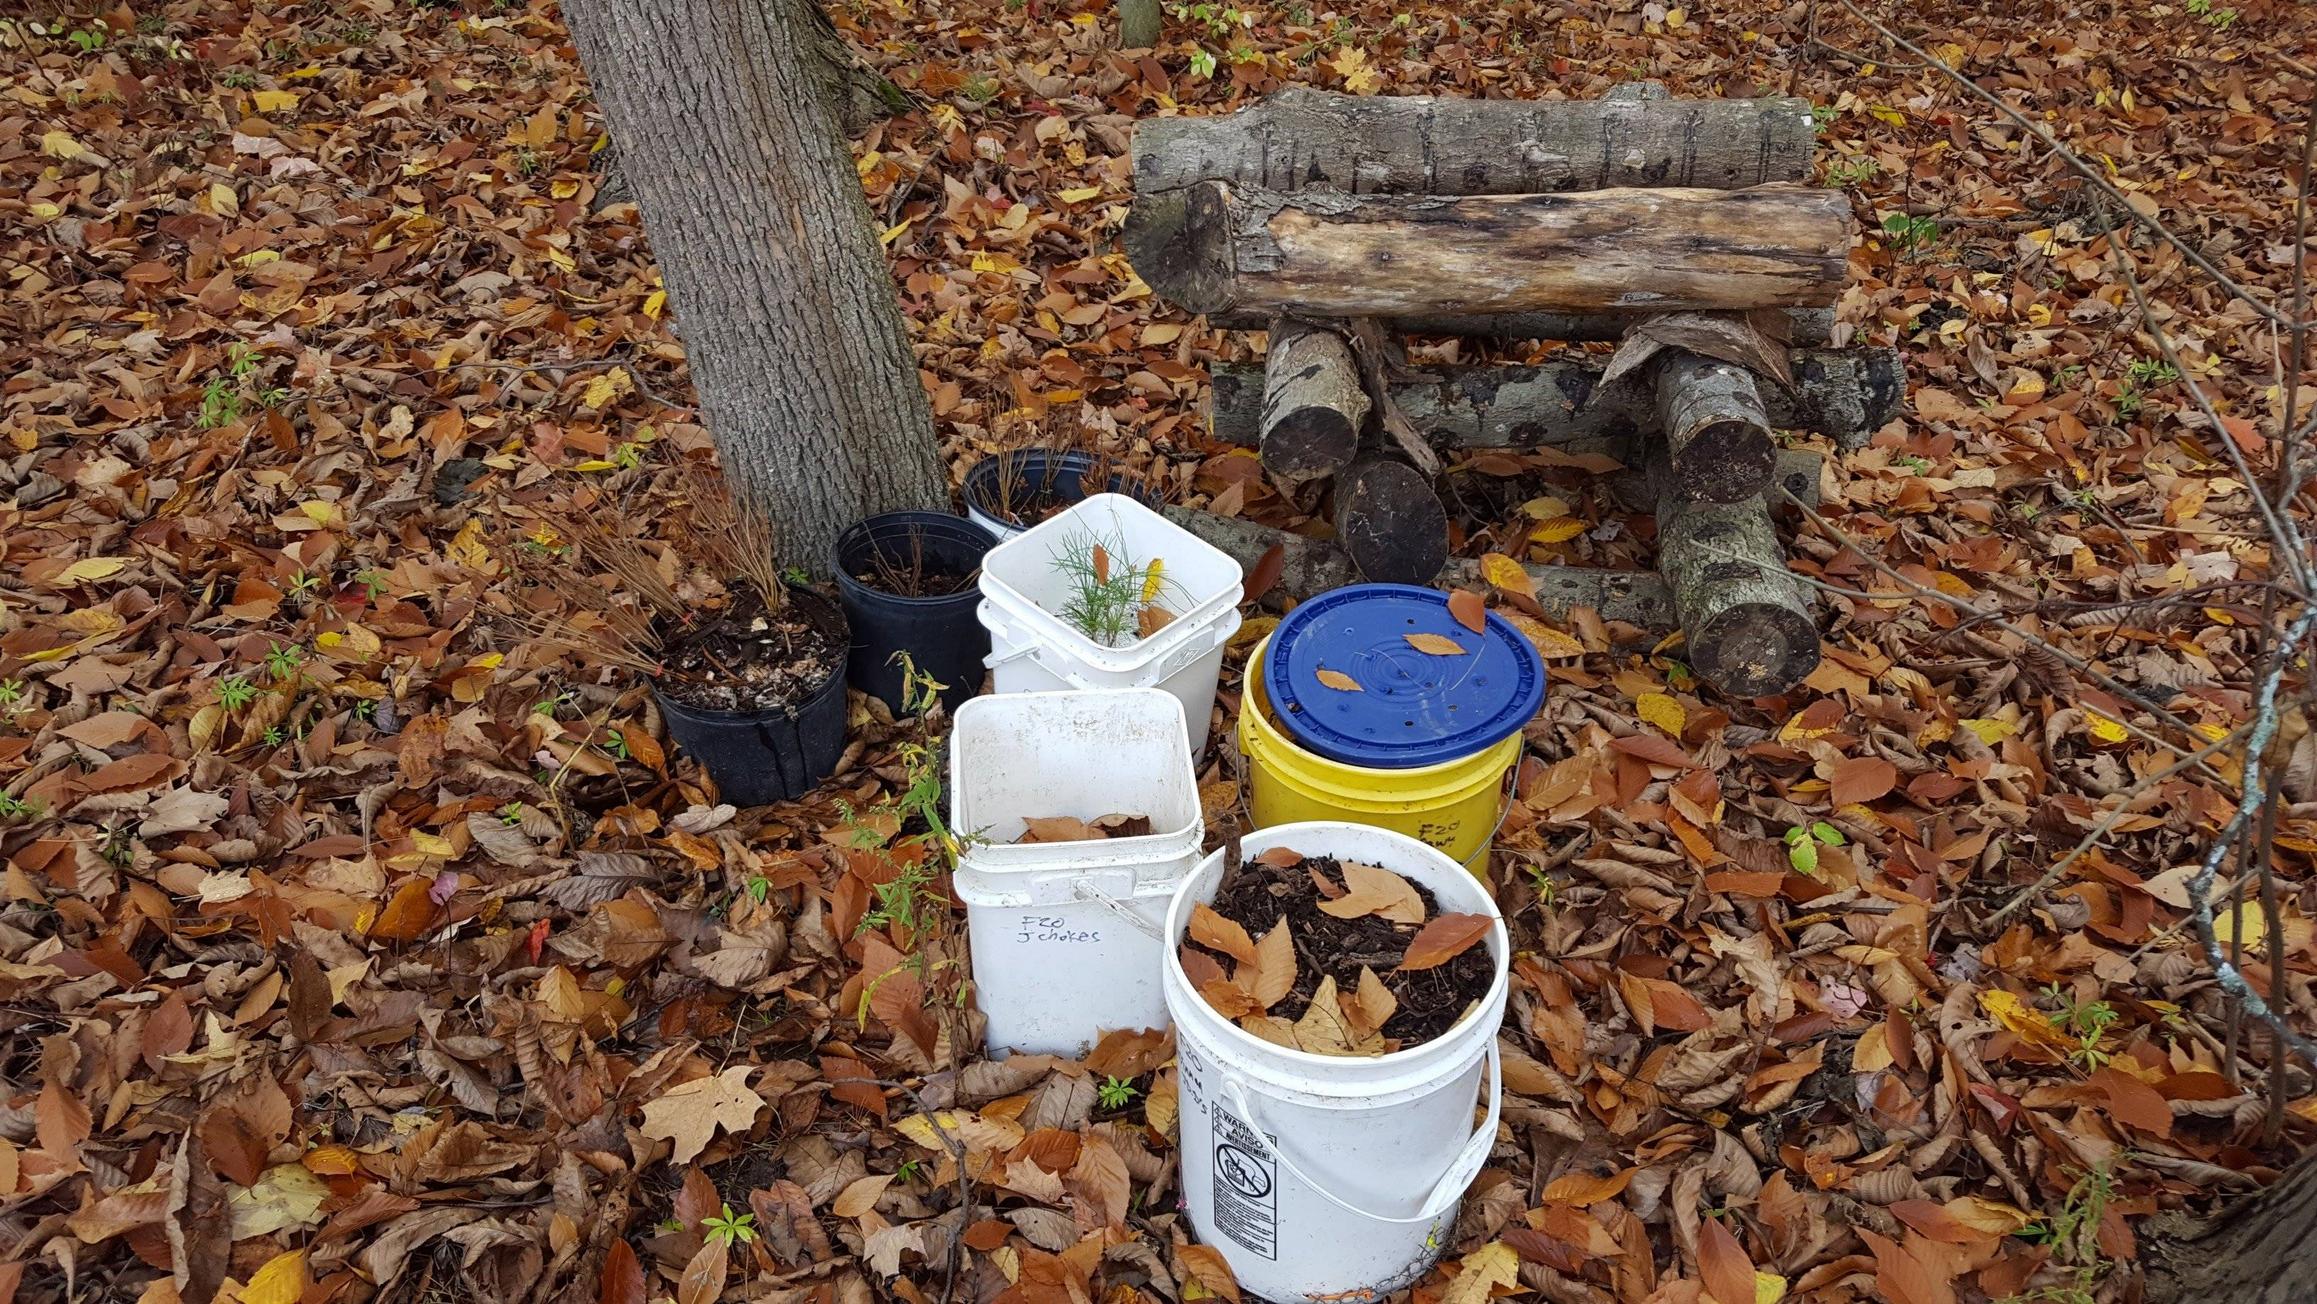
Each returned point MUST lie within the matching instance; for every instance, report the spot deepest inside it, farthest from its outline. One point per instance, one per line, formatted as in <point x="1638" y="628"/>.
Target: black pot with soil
<point x="1014" y="490"/>
<point x="910" y="582"/>
<point x="757" y="696"/>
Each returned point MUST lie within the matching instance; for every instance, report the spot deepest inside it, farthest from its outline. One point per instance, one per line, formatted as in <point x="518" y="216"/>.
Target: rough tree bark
<point x="1746" y="619"/>
<point x="1804" y="326"/>
<point x="1422" y="145"/>
<point x="780" y="290"/>
<point x="1313" y="403"/>
<point x="1846" y="393"/>
<point x="1211" y="247"/>
<point x="1138" y="24"/>
<point x="1716" y="432"/>
<point x="2258" y="1251"/>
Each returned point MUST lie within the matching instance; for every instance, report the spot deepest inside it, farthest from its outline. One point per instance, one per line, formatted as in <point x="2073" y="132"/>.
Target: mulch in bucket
<point x="1357" y="958"/>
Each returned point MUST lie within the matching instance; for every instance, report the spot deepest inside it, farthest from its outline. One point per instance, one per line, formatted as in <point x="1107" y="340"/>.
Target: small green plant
<point x="1914" y="462"/>
<point x="1847" y="172"/>
<point x="14" y="808"/>
<point x="911" y="1170"/>
<point x="2067" y="375"/>
<point x="2220" y="20"/>
<point x="366" y="709"/>
<point x="1115" y="1093"/>
<point x="616" y="743"/>
<point x="1910" y="234"/>
<point x="1802" y="844"/>
<point x="511" y="814"/>
<point x="981" y="88"/>
<point x="1203" y="63"/>
<point x="1822" y="117"/>
<point x="273" y="735"/>
<point x="2086" y="1021"/>
<point x="2073" y="1233"/>
<point x="528" y="162"/>
<point x="236" y="693"/>
<point x="118" y="846"/>
<point x="2129" y="401"/>
<point x="357" y="33"/>
<point x="13" y="696"/>
<point x="282" y="660"/>
<point x="1220" y="22"/>
<point x="1110" y="592"/>
<point x="303" y="584"/>
<point x="373" y="584"/>
<point x="727" y="1226"/>
<point x="549" y="706"/>
<point x="87" y="40"/>
<point x="627" y="457"/>
<point x="2147" y="373"/>
<point x="240" y="79"/>
<point x="220" y="404"/>
<point x="758" y="887"/>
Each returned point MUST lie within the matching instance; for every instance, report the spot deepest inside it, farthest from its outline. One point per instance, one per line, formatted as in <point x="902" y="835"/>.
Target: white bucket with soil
<point x="1065" y="935"/>
<point x="1323" y="1177"/>
<point x="1028" y="589"/>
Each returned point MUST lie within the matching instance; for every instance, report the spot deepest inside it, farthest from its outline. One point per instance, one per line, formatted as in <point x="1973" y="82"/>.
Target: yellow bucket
<point x="1454" y="806"/>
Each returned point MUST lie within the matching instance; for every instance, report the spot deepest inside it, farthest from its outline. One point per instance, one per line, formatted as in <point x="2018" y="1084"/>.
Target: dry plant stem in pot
<point x="748" y="672"/>
<point x="909" y="584"/>
<point x="1017" y="488"/>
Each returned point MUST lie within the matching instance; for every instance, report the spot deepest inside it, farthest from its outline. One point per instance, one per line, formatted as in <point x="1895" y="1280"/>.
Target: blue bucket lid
<point x="1414" y="708"/>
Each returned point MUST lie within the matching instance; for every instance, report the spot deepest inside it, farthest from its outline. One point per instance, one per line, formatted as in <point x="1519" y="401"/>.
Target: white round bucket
<point x="1090" y="909"/>
<point x="1322" y="1177"/>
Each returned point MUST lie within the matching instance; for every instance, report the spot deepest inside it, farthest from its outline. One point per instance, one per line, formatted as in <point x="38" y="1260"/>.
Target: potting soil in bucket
<point x="1065" y="933"/>
<point x="1329" y="1117"/>
<point x="775" y="731"/>
<point x="1373" y="703"/>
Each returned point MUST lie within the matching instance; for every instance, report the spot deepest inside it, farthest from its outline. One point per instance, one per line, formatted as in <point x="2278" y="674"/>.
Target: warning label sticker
<point x="1246" y="1187"/>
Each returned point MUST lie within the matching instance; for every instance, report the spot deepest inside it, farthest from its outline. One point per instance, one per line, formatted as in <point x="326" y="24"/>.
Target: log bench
<point x="1685" y="229"/>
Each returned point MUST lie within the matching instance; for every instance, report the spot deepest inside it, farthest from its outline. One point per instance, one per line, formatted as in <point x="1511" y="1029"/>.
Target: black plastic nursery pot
<point x="1039" y="478"/>
<point x="940" y="633"/>
<point x="760" y="757"/>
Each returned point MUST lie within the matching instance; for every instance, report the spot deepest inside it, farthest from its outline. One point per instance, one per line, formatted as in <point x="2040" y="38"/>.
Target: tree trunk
<point x="1298" y="138"/>
<point x="1745" y="619"/>
<point x="2258" y="1251"/>
<point x="1138" y="24"/>
<point x="1323" y="253"/>
<point x="1313" y="403"/>
<point x="1804" y="326"/>
<point x="1847" y="393"/>
<point x="772" y="265"/>
<point x="1716" y="433"/>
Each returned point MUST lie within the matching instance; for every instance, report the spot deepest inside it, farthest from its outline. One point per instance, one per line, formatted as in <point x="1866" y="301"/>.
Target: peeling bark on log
<point x="1846" y="393"/>
<point x="1210" y="248"/>
<point x="1806" y="327"/>
<point x="1390" y="522"/>
<point x="1420" y="145"/>
<point x="1313" y="403"/>
<point x="1795" y="470"/>
<point x="1717" y="435"/>
<point x="1746" y="619"/>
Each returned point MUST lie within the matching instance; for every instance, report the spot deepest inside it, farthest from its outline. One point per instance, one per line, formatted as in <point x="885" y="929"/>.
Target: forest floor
<point x="338" y="913"/>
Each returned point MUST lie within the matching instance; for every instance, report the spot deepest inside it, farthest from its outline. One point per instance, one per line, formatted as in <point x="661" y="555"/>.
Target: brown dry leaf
<point x="1470" y="610"/>
<point x="1374" y="890"/>
<point x="1861" y="779"/>
<point x="1272" y="974"/>
<point x="687" y="1116"/>
<point x="1271" y="1028"/>
<point x="1444" y="939"/>
<point x="1230" y="999"/>
<point x="1205" y="1264"/>
<point x="1212" y="930"/>
<point x="1437" y="645"/>
<point x="703" y="1278"/>
<point x="1058" y="828"/>
<point x="1281" y="858"/>
<point x="1101" y="560"/>
<point x="1728" y="1272"/>
<point x="1338" y="680"/>
<point x="1323" y="1030"/>
<point x="1373" y="1004"/>
<point x="1150" y="620"/>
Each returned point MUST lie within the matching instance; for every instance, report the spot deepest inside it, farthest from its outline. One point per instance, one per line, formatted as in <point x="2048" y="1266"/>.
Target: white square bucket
<point x="1065" y="935"/>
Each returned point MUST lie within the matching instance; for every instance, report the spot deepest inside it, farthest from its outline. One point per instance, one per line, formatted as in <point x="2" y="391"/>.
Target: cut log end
<point x="1754" y="649"/>
<point x="1182" y="239"/>
<point x="1313" y="404"/>
<point x="1391" y="523"/>
<point x="1715" y="428"/>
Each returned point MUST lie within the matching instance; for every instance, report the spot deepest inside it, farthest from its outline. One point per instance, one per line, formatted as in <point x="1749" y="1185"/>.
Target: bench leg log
<point x="1746" y="619"/>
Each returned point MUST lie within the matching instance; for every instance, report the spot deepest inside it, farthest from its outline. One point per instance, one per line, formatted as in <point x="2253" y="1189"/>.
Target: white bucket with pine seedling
<point x="1110" y="594"/>
<point x="1065" y="934"/>
<point x="1331" y="1176"/>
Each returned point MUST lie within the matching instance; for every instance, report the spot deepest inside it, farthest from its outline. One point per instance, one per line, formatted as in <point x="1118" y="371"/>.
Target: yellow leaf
<point x="60" y="144"/>
<point x="433" y="844"/>
<point x="91" y="568"/>
<point x="1662" y="710"/>
<point x="273" y="101"/>
<point x="43" y="211"/>
<point x="1559" y="530"/>
<point x="1080" y="195"/>
<point x="1551" y="644"/>
<point x="1674" y="18"/>
<point x="467" y="549"/>
<point x="322" y="512"/>
<point x="2021" y="1020"/>
<point x="921" y="1129"/>
<point x="607" y="387"/>
<point x="1991" y="731"/>
<point x="655" y="303"/>
<point x="1885" y="113"/>
<point x="1769" y="1287"/>
<point x="283" y="1280"/>
<point x="1152" y="577"/>
<point x="563" y="189"/>
<point x="893" y="233"/>
<point x="1486" y="1268"/>
<point x="1436" y="645"/>
<point x="987" y="262"/>
<point x="2246" y="920"/>
<point x="1338" y="680"/>
<point x="1503" y="572"/>
<point x="222" y="199"/>
<point x="2105" y="729"/>
<point x="595" y="464"/>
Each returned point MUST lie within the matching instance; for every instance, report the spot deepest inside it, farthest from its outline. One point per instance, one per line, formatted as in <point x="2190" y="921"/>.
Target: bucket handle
<point x="1447" y="1191"/>
<point x="1085" y="891"/>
